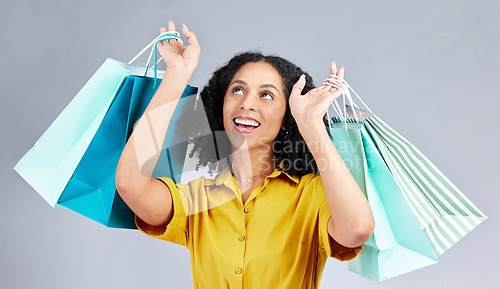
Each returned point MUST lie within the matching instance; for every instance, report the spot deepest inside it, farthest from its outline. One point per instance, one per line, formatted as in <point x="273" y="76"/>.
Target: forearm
<point x="141" y="153"/>
<point x="351" y="214"/>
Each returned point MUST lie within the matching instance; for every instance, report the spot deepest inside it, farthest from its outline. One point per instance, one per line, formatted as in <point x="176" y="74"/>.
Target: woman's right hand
<point x="175" y="54"/>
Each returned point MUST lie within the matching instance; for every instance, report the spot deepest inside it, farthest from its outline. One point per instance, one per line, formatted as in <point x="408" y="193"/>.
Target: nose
<point x="248" y="102"/>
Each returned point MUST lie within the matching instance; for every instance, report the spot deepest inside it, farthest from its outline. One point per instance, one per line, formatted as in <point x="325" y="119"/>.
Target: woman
<point x="266" y="221"/>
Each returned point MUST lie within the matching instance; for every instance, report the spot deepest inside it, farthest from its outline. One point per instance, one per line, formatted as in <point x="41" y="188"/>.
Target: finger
<point x="329" y="97"/>
<point x="341" y="72"/>
<point x="162" y="30"/>
<point x="298" y="86"/>
<point x="324" y="87"/>
<point x="171" y="25"/>
<point x="333" y="71"/>
<point x="332" y="88"/>
<point x="333" y="68"/>
<point x="190" y="35"/>
<point x="331" y="84"/>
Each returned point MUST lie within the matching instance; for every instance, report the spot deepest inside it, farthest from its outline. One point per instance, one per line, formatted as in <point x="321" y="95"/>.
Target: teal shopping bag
<point x="405" y="190"/>
<point x="48" y="166"/>
<point x="397" y="245"/>
<point x="50" y="163"/>
<point x="91" y="190"/>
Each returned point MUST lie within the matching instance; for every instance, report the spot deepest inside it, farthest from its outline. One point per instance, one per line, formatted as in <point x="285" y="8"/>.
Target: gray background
<point x="428" y="68"/>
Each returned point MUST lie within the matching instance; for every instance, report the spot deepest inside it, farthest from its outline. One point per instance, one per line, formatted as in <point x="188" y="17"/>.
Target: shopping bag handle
<point x="171" y="34"/>
<point x="340" y="83"/>
<point x="162" y="37"/>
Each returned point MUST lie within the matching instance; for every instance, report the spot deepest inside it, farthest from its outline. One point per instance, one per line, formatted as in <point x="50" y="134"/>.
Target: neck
<point x="250" y="162"/>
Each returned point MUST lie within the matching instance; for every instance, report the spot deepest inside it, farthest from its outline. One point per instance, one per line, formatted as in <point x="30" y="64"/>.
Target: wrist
<point x="180" y="74"/>
<point x="310" y="124"/>
<point x="312" y="129"/>
<point x="181" y="67"/>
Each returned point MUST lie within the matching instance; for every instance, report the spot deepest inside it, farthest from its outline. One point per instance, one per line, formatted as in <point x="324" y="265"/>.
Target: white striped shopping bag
<point x="445" y="214"/>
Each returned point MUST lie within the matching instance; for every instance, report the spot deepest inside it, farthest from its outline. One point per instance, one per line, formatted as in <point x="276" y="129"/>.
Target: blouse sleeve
<point x="326" y="242"/>
<point x="177" y="229"/>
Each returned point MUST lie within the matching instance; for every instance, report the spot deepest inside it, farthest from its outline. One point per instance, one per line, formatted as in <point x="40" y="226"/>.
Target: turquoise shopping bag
<point x="397" y="245"/>
<point x="91" y="190"/>
<point x="48" y="166"/>
<point x="406" y="192"/>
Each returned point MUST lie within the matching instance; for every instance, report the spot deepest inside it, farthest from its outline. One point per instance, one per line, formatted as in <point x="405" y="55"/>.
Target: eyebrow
<point x="262" y="86"/>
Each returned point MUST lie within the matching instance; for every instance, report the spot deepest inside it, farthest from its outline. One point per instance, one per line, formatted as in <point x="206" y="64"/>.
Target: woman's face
<point x="254" y="106"/>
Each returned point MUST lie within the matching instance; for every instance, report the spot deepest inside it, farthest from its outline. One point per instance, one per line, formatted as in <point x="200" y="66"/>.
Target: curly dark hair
<point x="288" y="147"/>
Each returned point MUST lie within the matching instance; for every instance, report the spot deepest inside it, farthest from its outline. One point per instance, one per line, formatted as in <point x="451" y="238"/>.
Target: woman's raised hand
<point x="313" y="105"/>
<point x="177" y="55"/>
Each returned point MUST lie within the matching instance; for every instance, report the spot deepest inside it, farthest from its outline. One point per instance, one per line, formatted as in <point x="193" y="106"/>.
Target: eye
<point x="267" y="94"/>
<point x="237" y="90"/>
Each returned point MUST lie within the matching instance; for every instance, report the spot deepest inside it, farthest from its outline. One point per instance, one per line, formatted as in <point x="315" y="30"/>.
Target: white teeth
<point x="246" y="122"/>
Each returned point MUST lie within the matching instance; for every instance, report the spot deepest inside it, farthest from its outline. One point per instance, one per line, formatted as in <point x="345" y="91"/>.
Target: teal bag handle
<point x="162" y="37"/>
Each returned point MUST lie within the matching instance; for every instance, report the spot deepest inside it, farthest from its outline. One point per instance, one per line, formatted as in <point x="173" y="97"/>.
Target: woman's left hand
<point x="312" y="106"/>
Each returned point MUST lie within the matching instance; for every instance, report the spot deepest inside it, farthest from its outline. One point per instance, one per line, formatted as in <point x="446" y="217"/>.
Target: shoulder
<point x="310" y="179"/>
<point x="285" y="180"/>
<point x="300" y="185"/>
<point x="311" y="184"/>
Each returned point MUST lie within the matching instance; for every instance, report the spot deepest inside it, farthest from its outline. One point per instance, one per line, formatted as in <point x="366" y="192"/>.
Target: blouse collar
<point x="226" y="176"/>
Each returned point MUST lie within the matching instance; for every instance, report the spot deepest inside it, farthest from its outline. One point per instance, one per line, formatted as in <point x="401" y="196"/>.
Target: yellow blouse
<point x="277" y="239"/>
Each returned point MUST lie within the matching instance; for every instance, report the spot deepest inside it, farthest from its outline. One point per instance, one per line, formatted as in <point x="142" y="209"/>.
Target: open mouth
<point x="245" y="125"/>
